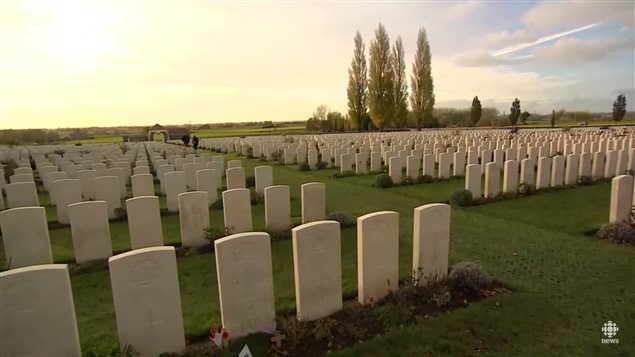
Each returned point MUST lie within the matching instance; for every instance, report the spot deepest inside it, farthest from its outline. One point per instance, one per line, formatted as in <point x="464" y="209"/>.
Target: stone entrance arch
<point x="152" y="133"/>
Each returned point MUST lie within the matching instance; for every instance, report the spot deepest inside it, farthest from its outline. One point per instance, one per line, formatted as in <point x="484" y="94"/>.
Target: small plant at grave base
<point x="304" y="167"/>
<point x="617" y="233"/>
<point x="60" y="152"/>
<point x="250" y="181"/>
<point x="213" y="233"/>
<point x="229" y="230"/>
<point x="469" y="278"/>
<point x="383" y="181"/>
<point x="525" y="189"/>
<point x="126" y="351"/>
<point x="425" y="179"/>
<point x="462" y="198"/>
<point x="441" y="298"/>
<point x="120" y="212"/>
<point x="256" y="197"/>
<point x="276" y="235"/>
<point x="217" y="205"/>
<point x="585" y="180"/>
<point x="320" y="165"/>
<point x="407" y="181"/>
<point x="336" y="175"/>
<point x="343" y="218"/>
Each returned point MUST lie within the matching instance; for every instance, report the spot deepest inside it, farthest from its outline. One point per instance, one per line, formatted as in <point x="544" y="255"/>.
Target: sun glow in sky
<point x="109" y="63"/>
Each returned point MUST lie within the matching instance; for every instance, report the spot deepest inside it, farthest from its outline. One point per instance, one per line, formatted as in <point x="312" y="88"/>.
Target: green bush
<point x="250" y="181"/>
<point x="468" y="277"/>
<point x="383" y="181"/>
<point x="425" y="179"/>
<point x="617" y="233"/>
<point x="585" y="180"/>
<point x="256" y="198"/>
<point x="304" y="167"/>
<point x="284" y="234"/>
<point x="343" y="174"/>
<point x="526" y="189"/>
<point x="320" y="165"/>
<point x="342" y="217"/>
<point x="462" y="198"/>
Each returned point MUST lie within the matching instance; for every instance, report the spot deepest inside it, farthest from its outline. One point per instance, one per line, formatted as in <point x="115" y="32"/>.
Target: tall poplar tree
<point x="421" y="83"/>
<point x="400" y="92"/>
<point x="357" y="90"/>
<point x="380" y="81"/>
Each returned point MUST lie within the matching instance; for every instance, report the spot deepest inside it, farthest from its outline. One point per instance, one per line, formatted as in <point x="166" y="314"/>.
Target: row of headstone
<point x="37" y="301"/>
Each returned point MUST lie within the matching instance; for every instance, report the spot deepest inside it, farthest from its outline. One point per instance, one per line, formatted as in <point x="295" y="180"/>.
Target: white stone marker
<point x="597" y="170"/>
<point x="278" y="208"/>
<point x="264" y="177"/>
<point x="144" y="222"/>
<point x="377" y="255"/>
<point x="412" y="167"/>
<point x="38" y="313"/>
<point x="87" y="183"/>
<point x="473" y="180"/>
<point x="428" y="165"/>
<point x="492" y="180"/>
<point x="121" y="174"/>
<point x="375" y="162"/>
<point x="445" y="160"/>
<point x="23" y="170"/>
<point x="194" y="218"/>
<point x="245" y="283"/>
<point x="544" y="173"/>
<point x="235" y="178"/>
<point x="189" y="170"/>
<point x="237" y="210"/>
<point x="527" y="174"/>
<point x="458" y="168"/>
<point x="18" y="178"/>
<point x="621" y="199"/>
<point x="394" y="169"/>
<point x="510" y="177"/>
<point x="145" y="291"/>
<point x="140" y="170"/>
<point x="21" y="194"/>
<point x="585" y="165"/>
<point x="174" y="186"/>
<point x="234" y="163"/>
<point x="142" y="185"/>
<point x="163" y="169"/>
<point x="90" y="231"/>
<point x="346" y="163"/>
<point x="66" y="192"/>
<point x="317" y="264"/>
<point x="107" y="189"/>
<point x="571" y="169"/>
<point x="557" y="171"/>
<point x="313" y="196"/>
<point x="206" y="182"/>
<point x="611" y="164"/>
<point x="25" y="236"/>
<point x="361" y="163"/>
<point x="431" y="242"/>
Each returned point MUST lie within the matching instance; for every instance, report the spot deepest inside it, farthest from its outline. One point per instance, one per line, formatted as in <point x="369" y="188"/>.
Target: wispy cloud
<point x="543" y="39"/>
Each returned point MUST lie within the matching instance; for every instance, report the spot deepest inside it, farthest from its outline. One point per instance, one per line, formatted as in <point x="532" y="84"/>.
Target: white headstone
<point x="277" y="208"/>
<point x="194" y="218"/>
<point x="25" y="236"/>
<point x="38" y="313"/>
<point x="144" y="222"/>
<point x="431" y="242"/>
<point x="245" y="283"/>
<point x="317" y="269"/>
<point x="313" y="201"/>
<point x="237" y="210"/>
<point x="377" y="255"/>
<point x="90" y="231"/>
<point x="147" y="300"/>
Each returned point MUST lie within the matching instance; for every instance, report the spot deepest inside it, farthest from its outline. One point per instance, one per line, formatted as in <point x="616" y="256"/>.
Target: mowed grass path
<point x="566" y="284"/>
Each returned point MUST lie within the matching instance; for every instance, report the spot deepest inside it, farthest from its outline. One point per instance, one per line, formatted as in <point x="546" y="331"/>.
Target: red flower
<point x="225" y="335"/>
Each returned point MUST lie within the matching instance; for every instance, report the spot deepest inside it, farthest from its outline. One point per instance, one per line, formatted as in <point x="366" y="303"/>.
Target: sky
<point x="136" y="63"/>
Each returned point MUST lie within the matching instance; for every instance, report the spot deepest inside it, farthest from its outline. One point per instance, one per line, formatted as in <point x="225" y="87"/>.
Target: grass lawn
<point x="100" y="139"/>
<point x="566" y="284"/>
<point x="232" y="132"/>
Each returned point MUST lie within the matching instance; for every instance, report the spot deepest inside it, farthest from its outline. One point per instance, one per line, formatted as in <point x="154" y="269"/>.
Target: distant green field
<point x="228" y="132"/>
<point x="100" y="139"/>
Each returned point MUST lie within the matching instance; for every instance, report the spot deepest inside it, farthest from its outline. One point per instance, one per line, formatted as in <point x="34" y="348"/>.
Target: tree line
<point x="378" y="93"/>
